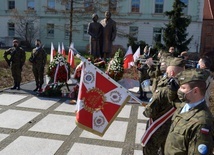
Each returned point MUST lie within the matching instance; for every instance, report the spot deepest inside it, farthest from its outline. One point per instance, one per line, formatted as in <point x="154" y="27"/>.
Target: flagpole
<point x="132" y="95"/>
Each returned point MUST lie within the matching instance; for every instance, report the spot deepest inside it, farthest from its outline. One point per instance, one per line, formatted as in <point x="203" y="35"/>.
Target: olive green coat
<point x="187" y="136"/>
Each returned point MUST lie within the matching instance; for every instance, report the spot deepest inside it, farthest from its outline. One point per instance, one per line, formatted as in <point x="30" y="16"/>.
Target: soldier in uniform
<point x="160" y="105"/>
<point x="16" y="61"/>
<point x="95" y="32"/>
<point x="192" y="128"/>
<point x="142" y="71"/>
<point x="38" y="59"/>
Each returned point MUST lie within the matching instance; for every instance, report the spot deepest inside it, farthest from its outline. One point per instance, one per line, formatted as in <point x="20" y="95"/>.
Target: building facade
<point x="49" y="20"/>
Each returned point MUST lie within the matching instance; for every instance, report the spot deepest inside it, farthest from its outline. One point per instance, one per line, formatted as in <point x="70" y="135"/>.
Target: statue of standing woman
<point x="95" y="32"/>
<point x="109" y="35"/>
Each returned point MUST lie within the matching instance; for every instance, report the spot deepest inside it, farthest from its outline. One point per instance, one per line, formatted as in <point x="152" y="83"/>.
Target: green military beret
<point x="192" y="75"/>
<point x="174" y="61"/>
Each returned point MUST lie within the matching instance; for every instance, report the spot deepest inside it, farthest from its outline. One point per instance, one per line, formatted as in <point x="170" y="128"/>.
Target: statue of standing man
<point x="109" y="34"/>
<point x="95" y="32"/>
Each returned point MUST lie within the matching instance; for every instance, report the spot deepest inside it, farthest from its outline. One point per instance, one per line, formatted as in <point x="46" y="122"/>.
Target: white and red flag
<point x="136" y="54"/>
<point x="128" y="58"/>
<point x="53" y="52"/>
<point x="63" y="50"/>
<point x="100" y="99"/>
<point x="71" y="56"/>
<point x="59" y="49"/>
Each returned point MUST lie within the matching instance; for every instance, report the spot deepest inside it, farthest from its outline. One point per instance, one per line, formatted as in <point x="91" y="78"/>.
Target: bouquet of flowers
<point x="115" y="67"/>
<point x="59" y="69"/>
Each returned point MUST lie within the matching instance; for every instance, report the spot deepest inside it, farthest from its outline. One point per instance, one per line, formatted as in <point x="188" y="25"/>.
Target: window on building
<point x="85" y="34"/>
<point x="50" y="30"/>
<point x="135" y="6"/>
<point x="11" y="29"/>
<point x="67" y="31"/>
<point x="185" y="10"/>
<point x="11" y="4"/>
<point x="30" y="4"/>
<point x="159" y="6"/>
<point x="157" y="35"/>
<point x="88" y="5"/>
<point x="68" y="6"/>
<point x="51" y="4"/>
<point x="133" y="31"/>
<point x="113" y="5"/>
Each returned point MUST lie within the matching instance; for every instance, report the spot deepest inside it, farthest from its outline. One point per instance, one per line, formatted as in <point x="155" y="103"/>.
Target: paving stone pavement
<point x="45" y="126"/>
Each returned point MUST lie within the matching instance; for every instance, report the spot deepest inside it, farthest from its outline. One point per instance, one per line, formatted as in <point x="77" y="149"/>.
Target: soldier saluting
<point x="38" y="59"/>
<point x="16" y="61"/>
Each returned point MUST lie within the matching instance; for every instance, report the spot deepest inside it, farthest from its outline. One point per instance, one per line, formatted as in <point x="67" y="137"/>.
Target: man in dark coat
<point x="109" y="34"/>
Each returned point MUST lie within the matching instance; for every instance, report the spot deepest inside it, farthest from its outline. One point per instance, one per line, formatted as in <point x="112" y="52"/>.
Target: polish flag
<point x="128" y="59"/>
<point x="136" y="54"/>
<point x="71" y="56"/>
<point x="63" y="50"/>
<point x="53" y="52"/>
<point x="59" y="49"/>
<point x="100" y="100"/>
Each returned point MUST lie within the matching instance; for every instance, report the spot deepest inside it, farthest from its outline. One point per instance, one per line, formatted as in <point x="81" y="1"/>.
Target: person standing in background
<point x="38" y="59"/>
<point x="16" y="62"/>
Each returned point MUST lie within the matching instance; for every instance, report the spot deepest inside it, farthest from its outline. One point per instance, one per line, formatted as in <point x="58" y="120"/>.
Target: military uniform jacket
<point x="39" y="57"/>
<point x="17" y="56"/>
<point x="161" y="100"/>
<point x="191" y="133"/>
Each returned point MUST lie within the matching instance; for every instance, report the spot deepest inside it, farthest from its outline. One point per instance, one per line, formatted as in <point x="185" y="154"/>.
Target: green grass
<point x="28" y="53"/>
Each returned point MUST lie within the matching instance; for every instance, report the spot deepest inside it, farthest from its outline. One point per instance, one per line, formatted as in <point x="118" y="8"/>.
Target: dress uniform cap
<point x="192" y="75"/>
<point x="175" y="62"/>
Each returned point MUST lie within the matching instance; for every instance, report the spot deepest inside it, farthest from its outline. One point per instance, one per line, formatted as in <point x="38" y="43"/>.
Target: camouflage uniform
<point x="186" y="132"/>
<point x="16" y="61"/>
<point x="160" y="103"/>
<point x="38" y="59"/>
<point x="191" y="132"/>
<point x="142" y="75"/>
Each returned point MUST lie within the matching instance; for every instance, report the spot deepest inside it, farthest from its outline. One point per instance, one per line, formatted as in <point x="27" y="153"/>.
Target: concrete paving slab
<point x="141" y="128"/>
<point x="39" y="103"/>
<point x="56" y="124"/>
<point x="3" y="136"/>
<point x="29" y="145"/>
<point x="125" y="112"/>
<point x="138" y="152"/>
<point x="16" y="118"/>
<point x="66" y="107"/>
<point x="116" y="132"/>
<point x="140" y="114"/>
<point x="8" y="99"/>
<point x="86" y="149"/>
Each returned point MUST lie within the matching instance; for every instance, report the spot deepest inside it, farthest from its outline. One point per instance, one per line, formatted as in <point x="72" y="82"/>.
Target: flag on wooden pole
<point x="71" y="56"/>
<point x="100" y="99"/>
<point x="63" y="50"/>
<point x="128" y="59"/>
<point x="53" y="52"/>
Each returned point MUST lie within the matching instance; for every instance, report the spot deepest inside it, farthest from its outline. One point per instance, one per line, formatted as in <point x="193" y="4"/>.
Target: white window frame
<point x="158" y="5"/>
<point x="135" y="6"/>
<point x="11" y="29"/>
<point x="133" y="31"/>
<point x="156" y="33"/>
<point x="10" y="6"/>
<point x="30" y="4"/>
<point x="51" y="4"/>
<point x="50" y="30"/>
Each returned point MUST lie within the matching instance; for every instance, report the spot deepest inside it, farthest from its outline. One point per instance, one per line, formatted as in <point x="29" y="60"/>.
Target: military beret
<point x="192" y="75"/>
<point x="174" y="61"/>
